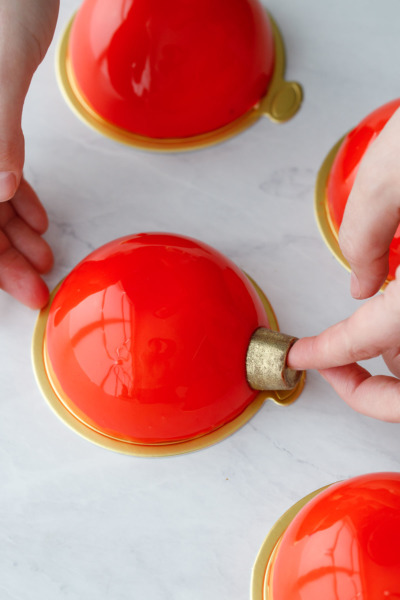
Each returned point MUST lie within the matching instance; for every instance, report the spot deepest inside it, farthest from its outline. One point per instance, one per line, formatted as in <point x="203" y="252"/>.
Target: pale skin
<point x="26" y="30"/>
<point x="371" y="218"/>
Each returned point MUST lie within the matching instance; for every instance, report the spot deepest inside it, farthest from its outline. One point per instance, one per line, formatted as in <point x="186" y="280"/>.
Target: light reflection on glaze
<point x="343" y="545"/>
<point x="112" y="334"/>
<point x="345" y="167"/>
<point x="147" y="338"/>
<point x="172" y="69"/>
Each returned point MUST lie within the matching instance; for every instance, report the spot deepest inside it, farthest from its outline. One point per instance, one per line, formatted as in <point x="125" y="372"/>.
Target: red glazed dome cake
<point x="146" y="340"/>
<point x="149" y="71"/>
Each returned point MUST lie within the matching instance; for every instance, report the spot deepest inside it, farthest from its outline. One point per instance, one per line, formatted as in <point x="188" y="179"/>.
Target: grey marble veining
<point x="77" y="521"/>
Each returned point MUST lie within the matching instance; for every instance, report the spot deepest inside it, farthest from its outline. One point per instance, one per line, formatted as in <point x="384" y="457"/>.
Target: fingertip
<point x="12" y="155"/>
<point x="38" y="296"/>
<point x="45" y="261"/>
<point x="19" y="279"/>
<point x="9" y="182"/>
<point x="34" y="293"/>
<point x="298" y="354"/>
<point x="366" y="251"/>
<point x="363" y="286"/>
<point x="292" y="357"/>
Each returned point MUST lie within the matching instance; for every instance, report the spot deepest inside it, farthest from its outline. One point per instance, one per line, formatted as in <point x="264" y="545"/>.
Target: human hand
<point x="26" y="30"/>
<point x="372" y="212"/>
<point x="24" y="254"/>
<point x="370" y="221"/>
<point x="373" y="330"/>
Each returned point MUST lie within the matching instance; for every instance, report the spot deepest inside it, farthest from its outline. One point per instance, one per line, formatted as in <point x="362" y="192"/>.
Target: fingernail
<point x="354" y="286"/>
<point x="8" y="185"/>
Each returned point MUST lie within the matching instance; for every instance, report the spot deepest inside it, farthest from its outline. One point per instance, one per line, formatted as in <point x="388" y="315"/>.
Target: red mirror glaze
<point x="344" y="544"/>
<point x="148" y="335"/>
<point x="345" y="167"/>
<point x="171" y="68"/>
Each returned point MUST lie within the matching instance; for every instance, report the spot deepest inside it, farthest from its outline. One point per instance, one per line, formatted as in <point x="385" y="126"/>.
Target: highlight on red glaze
<point x="344" y="544"/>
<point x="345" y="167"/>
<point x="171" y="69"/>
<point x="147" y="338"/>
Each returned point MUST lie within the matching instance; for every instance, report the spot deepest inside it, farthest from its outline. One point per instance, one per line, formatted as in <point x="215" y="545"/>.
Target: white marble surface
<point x="77" y="521"/>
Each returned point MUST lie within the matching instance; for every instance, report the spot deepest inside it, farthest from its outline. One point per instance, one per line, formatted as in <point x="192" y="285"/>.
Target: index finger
<point x="372" y="329"/>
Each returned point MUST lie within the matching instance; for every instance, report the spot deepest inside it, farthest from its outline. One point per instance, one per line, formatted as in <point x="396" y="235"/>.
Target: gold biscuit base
<point x="280" y="104"/>
<point x="61" y="405"/>
<point x="261" y="580"/>
<point x="325" y="225"/>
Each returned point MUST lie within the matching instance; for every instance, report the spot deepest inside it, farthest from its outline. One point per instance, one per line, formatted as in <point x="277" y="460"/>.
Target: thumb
<point x="18" y="61"/>
<point x="26" y="29"/>
<point x="11" y="155"/>
<point x="372" y="212"/>
<point x="13" y="89"/>
<point x="12" y="145"/>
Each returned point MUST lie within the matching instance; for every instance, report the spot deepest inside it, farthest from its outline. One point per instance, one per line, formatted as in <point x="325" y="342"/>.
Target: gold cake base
<point x="262" y="570"/>
<point x="280" y="104"/>
<point x="151" y="450"/>
<point x="325" y="225"/>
